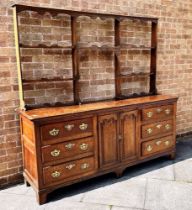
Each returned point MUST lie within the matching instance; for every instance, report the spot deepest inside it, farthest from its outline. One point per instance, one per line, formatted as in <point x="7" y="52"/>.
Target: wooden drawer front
<point x="157" y="128"/>
<point x="158" y="145"/>
<point x="68" y="130"/>
<point x="159" y="112"/>
<point x="68" y="170"/>
<point x="68" y="149"/>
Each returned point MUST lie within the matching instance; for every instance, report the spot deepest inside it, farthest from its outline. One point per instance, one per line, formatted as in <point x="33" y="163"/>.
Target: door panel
<point x="129" y="133"/>
<point x="108" y="139"/>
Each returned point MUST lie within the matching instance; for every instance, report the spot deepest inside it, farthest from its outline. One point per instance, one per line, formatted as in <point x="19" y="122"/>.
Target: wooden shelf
<point x="95" y="46"/>
<point x="134" y="95"/>
<point x="133" y="75"/>
<point x="55" y="11"/>
<point x="88" y="46"/>
<point x="47" y="80"/>
<point x="134" y="47"/>
<point x="45" y="46"/>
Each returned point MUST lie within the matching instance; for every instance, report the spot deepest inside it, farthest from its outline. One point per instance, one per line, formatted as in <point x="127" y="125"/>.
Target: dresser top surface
<point x="57" y="111"/>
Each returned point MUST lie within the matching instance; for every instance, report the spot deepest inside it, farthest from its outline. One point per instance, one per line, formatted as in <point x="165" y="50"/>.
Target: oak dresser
<point x="62" y="146"/>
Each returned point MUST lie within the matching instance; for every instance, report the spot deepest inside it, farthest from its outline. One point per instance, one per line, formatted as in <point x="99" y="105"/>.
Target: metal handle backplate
<point x="83" y="126"/>
<point x="55" y="152"/>
<point x="56" y="174"/>
<point x="54" y="132"/>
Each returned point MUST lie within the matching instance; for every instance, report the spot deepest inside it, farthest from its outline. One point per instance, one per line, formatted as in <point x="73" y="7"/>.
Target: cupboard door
<point x="108" y="140"/>
<point x="129" y="134"/>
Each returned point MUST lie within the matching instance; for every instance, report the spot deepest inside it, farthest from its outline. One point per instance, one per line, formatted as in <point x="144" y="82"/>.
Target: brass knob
<point x="70" y="166"/>
<point x="56" y="174"/>
<point x="158" y="142"/>
<point x="159" y="126"/>
<point x="83" y="146"/>
<point x="69" y="146"/>
<point x="167" y="126"/>
<point x="167" y="143"/>
<point x="69" y="127"/>
<point x="55" y="153"/>
<point x="149" y="148"/>
<point x="149" y="130"/>
<point x="83" y="126"/>
<point x="84" y="166"/>
<point x="167" y="111"/>
<point x="54" y="132"/>
<point x="159" y="110"/>
<point x="149" y="114"/>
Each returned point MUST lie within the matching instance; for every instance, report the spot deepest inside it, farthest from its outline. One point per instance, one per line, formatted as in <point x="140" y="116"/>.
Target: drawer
<point x="69" y="149"/>
<point x="68" y="170"/>
<point x="157" y="113"/>
<point x="159" y="128"/>
<point x="68" y="130"/>
<point x="157" y="145"/>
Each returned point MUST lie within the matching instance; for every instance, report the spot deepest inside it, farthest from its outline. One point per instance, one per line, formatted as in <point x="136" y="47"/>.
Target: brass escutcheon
<point x="70" y="166"/>
<point x="149" y="148"/>
<point x="83" y="126"/>
<point x="149" y="114"/>
<point x="56" y="174"/>
<point x="69" y="127"/>
<point x="69" y="145"/>
<point x="159" y="110"/>
<point x="55" y="153"/>
<point x="167" y="143"/>
<point x="83" y="146"/>
<point x="167" y="126"/>
<point x="158" y="142"/>
<point x="84" y="166"/>
<point x="54" y="132"/>
<point x="149" y="130"/>
<point x="159" y="126"/>
<point x="167" y="111"/>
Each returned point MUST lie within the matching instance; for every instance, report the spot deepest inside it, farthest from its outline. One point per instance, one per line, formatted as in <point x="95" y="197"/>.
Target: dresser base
<point x="41" y="196"/>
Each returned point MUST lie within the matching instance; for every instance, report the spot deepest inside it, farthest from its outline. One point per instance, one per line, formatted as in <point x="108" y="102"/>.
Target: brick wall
<point x="174" y="64"/>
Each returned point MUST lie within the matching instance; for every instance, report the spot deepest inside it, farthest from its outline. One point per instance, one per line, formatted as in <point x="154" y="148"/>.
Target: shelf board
<point x="54" y="46"/>
<point x="133" y="75"/>
<point x="134" y="95"/>
<point x="88" y="46"/>
<point x="134" y="47"/>
<point x="55" y="11"/>
<point x="47" y="80"/>
<point x="96" y="47"/>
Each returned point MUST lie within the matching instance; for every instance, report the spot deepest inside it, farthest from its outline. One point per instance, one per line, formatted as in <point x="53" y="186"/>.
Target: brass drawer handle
<point x="149" y="148"/>
<point x="167" y="126"/>
<point x="158" y="143"/>
<point x="159" y="126"/>
<point x="159" y="110"/>
<point x="70" y="166"/>
<point x="167" y="111"/>
<point x="149" y="114"/>
<point x="69" y="146"/>
<point x="149" y="130"/>
<point x="83" y="146"/>
<point x="83" y="126"/>
<point x="69" y="127"/>
<point x="167" y="143"/>
<point x="54" y="132"/>
<point x="84" y="166"/>
<point x="56" y="174"/>
<point x="55" y="153"/>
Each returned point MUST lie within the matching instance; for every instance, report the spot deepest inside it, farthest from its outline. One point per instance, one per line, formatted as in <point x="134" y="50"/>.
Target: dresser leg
<point x="41" y="197"/>
<point x="26" y="183"/>
<point x="119" y="173"/>
<point x="172" y="155"/>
